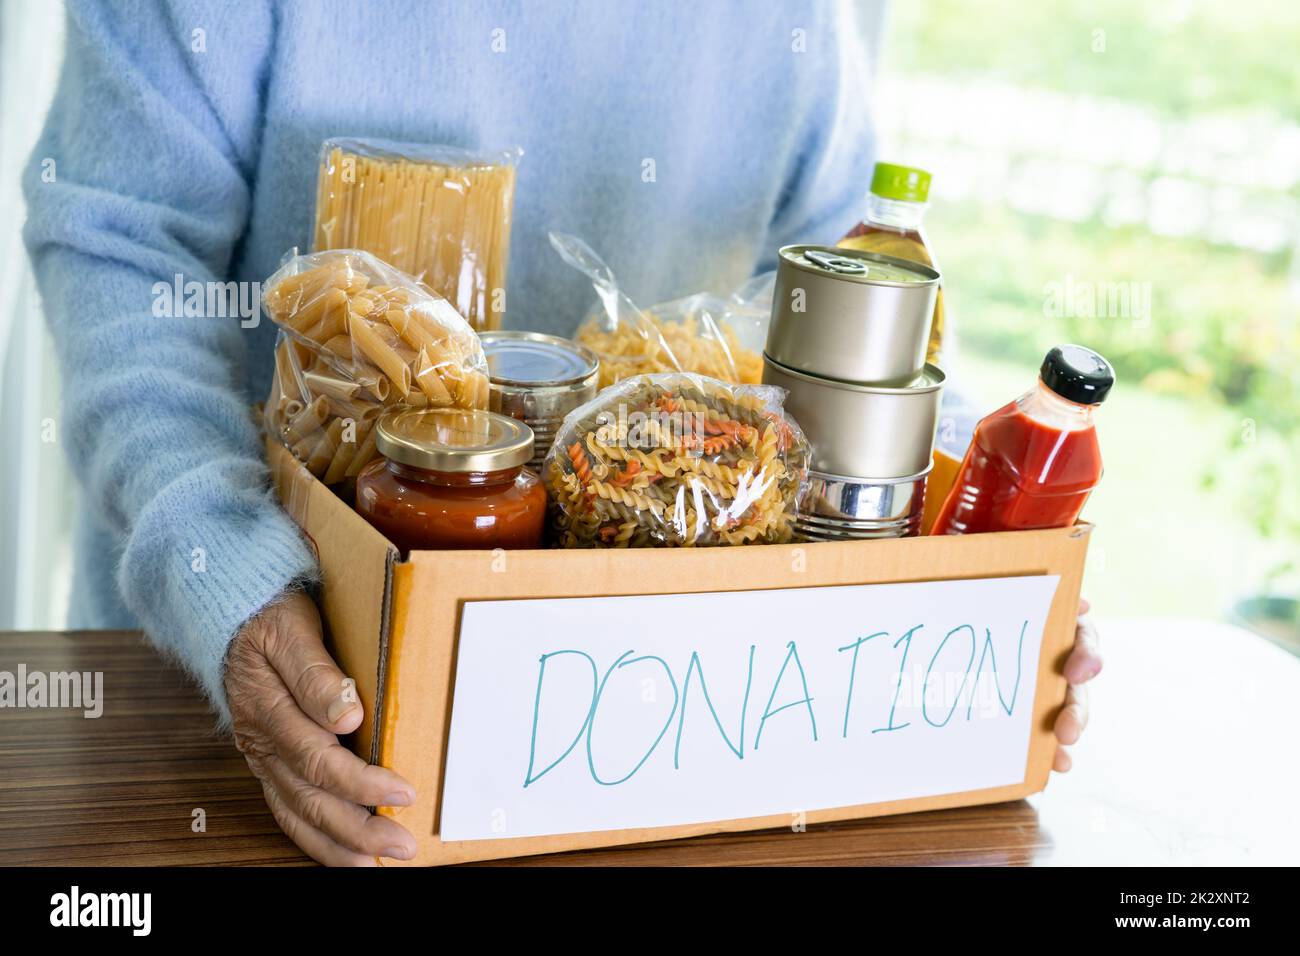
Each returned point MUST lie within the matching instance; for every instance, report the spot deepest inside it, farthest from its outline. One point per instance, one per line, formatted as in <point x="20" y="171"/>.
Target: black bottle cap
<point x="1077" y="374"/>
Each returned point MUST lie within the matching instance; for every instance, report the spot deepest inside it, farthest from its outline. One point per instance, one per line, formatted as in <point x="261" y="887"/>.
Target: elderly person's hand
<point x="1083" y="664"/>
<point x="289" y="701"/>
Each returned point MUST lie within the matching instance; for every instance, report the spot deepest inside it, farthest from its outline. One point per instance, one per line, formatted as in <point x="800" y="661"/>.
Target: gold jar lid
<point x="453" y="440"/>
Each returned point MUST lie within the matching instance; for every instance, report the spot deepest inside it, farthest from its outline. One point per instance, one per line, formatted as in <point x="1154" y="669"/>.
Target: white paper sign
<point x="581" y="714"/>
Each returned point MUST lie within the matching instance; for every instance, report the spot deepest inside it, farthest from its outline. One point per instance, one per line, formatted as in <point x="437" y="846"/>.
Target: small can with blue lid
<point x="538" y="379"/>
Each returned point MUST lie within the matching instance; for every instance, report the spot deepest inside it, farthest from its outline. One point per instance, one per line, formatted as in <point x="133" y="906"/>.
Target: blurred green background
<point x="1127" y="176"/>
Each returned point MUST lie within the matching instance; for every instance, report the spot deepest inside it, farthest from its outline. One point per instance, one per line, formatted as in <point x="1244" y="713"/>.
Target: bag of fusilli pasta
<point x="676" y="460"/>
<point x="704" y="333"/>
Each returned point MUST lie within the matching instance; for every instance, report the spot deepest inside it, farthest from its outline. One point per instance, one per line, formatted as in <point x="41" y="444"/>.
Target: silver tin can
<point x="866" y="430"/>
<point x="851" y="315"/>
<point x="538" y="379"/>
<point x="835" y="508"/>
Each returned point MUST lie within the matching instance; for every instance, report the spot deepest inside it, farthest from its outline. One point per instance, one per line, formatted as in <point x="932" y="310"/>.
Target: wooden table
<point x="1190" y="759"/>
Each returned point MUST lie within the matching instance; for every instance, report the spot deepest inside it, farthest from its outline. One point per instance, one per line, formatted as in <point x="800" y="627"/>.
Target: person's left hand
<point x="1083" y="664"/>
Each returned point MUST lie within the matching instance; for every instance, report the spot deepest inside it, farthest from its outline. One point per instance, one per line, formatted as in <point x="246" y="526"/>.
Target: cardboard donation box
<point x="542" y="701"/>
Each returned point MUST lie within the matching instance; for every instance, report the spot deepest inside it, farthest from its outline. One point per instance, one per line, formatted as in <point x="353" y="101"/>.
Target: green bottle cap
<point x="900" y="182"/>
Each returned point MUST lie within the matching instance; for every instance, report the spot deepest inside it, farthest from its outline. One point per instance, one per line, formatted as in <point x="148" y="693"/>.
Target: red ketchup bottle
<point x="1033" y="462"/>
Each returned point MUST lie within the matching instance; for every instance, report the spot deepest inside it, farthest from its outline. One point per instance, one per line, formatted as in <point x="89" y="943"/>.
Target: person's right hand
<point x="289" y="701"/>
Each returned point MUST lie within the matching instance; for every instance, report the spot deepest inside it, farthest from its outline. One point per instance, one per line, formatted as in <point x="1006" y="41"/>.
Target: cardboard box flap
<point x="356" y="564"/>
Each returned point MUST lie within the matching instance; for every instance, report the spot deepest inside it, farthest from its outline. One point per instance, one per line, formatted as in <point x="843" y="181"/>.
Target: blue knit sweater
<point x="184" y="140"/>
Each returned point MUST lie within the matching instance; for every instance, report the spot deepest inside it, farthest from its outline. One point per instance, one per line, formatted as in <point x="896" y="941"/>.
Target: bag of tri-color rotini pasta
<point x="676" y="459"/>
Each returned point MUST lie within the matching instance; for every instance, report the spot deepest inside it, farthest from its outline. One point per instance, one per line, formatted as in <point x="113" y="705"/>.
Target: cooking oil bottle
<point x="892" y="227"/>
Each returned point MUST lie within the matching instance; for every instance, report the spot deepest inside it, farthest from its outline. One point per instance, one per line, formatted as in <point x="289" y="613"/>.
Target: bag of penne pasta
<point x="356" y="336"/>
<point x="676" y="460"/>
<point x="707" y="334"/>
<point x="438" y="213"/>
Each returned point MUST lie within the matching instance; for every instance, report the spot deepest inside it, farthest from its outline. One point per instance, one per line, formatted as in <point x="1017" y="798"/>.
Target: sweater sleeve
<point x="824" y="194"/>
<point x="142" y="176"/>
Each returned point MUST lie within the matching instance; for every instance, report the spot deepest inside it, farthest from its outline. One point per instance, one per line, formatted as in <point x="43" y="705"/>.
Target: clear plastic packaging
<point x="357" y="336"/>
<point x="437" y="213"/>
<point x="676" y="459"/>
<point x="707" y="334"/>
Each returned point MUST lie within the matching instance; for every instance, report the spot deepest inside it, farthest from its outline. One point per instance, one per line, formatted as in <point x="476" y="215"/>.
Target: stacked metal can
<point x="538" y="379"/>
<point x="848" y="341"/>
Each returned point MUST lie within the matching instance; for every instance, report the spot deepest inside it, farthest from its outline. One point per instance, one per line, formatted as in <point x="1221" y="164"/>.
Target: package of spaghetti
<point x="718" y="336"/>
<point x="357" y="335"/>
<point x="675" y="459"/>
<point x="437" y="213"/>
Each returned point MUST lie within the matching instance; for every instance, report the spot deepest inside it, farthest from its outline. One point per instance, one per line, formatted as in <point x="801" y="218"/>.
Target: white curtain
<point x="35" y="487"/>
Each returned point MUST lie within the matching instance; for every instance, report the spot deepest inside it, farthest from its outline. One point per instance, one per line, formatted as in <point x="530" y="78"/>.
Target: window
<point x="1126" y="175"/>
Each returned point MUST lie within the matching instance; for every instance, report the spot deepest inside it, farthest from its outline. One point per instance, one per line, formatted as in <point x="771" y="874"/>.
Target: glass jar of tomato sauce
<point x="452" y="480"/>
